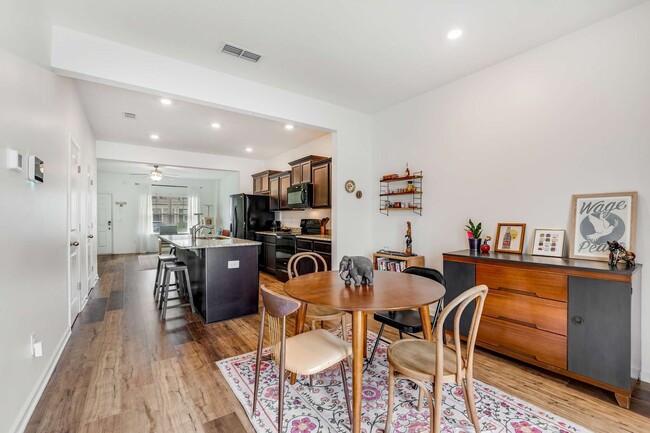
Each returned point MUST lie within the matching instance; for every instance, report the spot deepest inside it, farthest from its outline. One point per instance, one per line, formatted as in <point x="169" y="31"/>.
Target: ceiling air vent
<point x="241" y="53"/>
<point x="129" y="115"/>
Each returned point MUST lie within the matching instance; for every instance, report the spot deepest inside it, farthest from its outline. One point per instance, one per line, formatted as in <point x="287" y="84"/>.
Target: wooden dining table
<point x="391" y="291"/>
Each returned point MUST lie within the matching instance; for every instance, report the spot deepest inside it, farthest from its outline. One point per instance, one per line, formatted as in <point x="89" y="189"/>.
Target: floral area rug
<point x="321" y="407"/>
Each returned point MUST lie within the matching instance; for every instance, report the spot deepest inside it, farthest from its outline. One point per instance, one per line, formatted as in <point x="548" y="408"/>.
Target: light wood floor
<point x="125" y="371"/>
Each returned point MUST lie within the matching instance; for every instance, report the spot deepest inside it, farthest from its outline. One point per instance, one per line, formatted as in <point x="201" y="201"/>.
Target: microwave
<point x="300" y="196"/>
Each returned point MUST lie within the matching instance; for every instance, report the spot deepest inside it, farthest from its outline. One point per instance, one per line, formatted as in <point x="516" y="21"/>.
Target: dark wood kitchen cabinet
<point x="284" y="182"/>
<point x="261" y="182"/>
<point x="322" y="247"/>
<point x="301" y="169"/>
<point x="578" y="318"/>
<point x="321" y="178"/>
<point x="278" y="184"/>
<point x="266" y="260"/>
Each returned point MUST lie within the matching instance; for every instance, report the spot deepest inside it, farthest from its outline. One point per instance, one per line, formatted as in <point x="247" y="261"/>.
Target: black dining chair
<point x="408" y="321"/>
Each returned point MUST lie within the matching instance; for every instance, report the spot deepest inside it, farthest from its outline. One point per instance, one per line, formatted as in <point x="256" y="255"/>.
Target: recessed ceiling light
<point x="215" y="125"/>
<point x="165" y="101"/>
<point x="249" y="149"/>
<point x="454" y="34"/>
<point x="154" y="136"/>
<point x="288" y="126"/>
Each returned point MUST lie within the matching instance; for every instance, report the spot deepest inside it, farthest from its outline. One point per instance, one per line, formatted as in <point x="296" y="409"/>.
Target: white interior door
<point x="90" y="231"/>
<point x="104" y="223"/>
<point x="74" y="230"/>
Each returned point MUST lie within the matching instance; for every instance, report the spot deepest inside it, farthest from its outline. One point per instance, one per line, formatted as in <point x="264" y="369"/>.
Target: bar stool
<point x="162" y="259"/>
<point x="183" y="287"/>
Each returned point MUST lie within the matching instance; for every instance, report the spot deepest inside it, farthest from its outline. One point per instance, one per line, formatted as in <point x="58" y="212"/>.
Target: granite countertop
<point x="327" y="238"/>
<point x="185" y="242"/>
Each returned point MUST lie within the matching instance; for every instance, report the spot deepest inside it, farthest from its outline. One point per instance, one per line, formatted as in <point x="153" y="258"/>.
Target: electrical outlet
<point x="36" y="345"/>
<point x="233" y="264"/>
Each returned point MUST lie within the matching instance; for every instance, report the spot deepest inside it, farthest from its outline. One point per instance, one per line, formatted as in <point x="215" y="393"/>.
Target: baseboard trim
<point x="28" y="409"/>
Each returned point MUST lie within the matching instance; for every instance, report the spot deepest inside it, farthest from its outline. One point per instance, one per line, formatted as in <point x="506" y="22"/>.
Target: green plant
<point x="473" y="231"/>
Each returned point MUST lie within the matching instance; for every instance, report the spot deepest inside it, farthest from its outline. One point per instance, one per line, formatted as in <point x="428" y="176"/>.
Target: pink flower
<point x="418" y="426"/>
<point x="470" y="235"/>
<point x="525" y="427"/>
<point x="302" y="425"/>
<point x="272" y="392"/>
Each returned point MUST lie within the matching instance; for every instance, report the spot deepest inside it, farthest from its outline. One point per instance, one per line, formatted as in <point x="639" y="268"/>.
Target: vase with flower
<point x="474" y="235"/>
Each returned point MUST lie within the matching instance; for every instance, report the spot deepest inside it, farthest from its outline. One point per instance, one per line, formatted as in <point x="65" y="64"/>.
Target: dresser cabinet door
<point x="458" y="278"/>
<point x="599" y="340"/>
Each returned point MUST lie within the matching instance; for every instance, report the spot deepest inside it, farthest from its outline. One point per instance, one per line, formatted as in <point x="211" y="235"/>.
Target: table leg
<point x="300" y="326"/>
<point x="358" y="342"/>
<point x="425" y="316"/>
<point x="365" y="335"/>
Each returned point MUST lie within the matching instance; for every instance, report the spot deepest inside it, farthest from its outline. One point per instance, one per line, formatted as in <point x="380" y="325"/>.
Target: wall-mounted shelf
<point x="387" y="189"/>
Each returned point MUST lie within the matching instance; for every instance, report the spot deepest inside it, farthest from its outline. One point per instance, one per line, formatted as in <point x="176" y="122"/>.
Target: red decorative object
<point x="485" y="248"/>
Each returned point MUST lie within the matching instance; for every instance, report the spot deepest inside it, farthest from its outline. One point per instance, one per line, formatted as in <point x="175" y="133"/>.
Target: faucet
<point x="196" y="229"/>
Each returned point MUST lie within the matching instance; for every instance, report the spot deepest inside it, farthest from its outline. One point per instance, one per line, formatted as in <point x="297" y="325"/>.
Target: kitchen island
<point x="223" y="273"/>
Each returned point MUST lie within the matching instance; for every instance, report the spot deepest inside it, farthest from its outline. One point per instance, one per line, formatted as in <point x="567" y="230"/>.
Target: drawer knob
<point x="577" y="320"/>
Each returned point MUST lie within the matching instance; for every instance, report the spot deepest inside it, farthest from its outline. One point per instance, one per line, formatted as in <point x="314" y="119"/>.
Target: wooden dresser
<point x="579" y="318"/>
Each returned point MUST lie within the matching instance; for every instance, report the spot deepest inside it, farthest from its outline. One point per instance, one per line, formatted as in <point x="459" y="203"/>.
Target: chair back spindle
<point x="292" y="266"/>
<point x="463" y="360"/>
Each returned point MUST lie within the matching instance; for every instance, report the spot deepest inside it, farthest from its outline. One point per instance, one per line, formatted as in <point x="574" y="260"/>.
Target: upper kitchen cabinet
<point x="301" y="169"/>
<point x="321" y="178"/>
<point x="261" y="182"/>
<point x="278" y="184"/>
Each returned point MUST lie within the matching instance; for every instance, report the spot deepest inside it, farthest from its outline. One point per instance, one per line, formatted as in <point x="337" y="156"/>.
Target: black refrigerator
<point x="249" y="214"/>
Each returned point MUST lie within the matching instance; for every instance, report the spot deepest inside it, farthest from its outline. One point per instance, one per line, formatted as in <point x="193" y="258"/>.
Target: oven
<point x="285" y="247"/>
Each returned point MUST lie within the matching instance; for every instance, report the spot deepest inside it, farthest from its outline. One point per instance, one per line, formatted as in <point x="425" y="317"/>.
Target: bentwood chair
<point x="317" y="313"/>
<point x="433" y="361"/>
<point x="408" y="321"/>
<point x="307" y="353"/>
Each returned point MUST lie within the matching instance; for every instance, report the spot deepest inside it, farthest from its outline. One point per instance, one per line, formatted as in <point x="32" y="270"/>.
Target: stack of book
<point x="384" y="264"/>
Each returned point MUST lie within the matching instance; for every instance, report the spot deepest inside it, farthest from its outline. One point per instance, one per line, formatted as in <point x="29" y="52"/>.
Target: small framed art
<point x="510" y="238"/>
<point x="548" y="242"/>
<point x="598" y="218"/>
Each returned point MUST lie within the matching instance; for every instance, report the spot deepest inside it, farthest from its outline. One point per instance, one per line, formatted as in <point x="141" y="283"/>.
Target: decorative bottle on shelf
<point x="507" y="239"/>
<point x="408" y="172"/>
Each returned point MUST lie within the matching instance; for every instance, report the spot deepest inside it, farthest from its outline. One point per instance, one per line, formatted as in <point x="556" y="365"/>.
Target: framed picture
<point x="510" y="238"/>
<point x="548" y="242"/>
<point x="598" y="218"/>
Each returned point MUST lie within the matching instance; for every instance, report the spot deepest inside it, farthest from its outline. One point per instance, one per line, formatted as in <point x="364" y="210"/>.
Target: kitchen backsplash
<point x="291" y="218"/>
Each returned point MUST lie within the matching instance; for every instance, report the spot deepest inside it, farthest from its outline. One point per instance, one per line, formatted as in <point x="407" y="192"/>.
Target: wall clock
<point x="350" y="186"/>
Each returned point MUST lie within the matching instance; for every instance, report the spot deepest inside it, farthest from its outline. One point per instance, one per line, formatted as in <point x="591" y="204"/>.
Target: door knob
<point x="74" y="244"/>
<point x="577" y="320"/>
<point x="90" y="236"/>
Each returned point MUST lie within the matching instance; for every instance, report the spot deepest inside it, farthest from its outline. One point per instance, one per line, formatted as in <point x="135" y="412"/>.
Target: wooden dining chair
<point x="306" y="354"/>
<point x="317" y="313"/>
<point x="433" y="361"/>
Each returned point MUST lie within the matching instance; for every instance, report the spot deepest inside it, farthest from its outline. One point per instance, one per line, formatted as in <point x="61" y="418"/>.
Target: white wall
<point x="96" y="59"/>
<point x="228" y="185"/>
<point x="513" y="142"/>
<point x="38" y="112"/>
<point x="25" y="29"/>
<point x="322" y="146"/>
<point x="125" y="219"/>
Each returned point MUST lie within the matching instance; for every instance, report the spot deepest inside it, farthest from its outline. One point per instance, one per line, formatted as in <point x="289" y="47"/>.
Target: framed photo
<point x="598" y="218"/>
<point x="548" y="242"/>
<point x="510" y="238"/>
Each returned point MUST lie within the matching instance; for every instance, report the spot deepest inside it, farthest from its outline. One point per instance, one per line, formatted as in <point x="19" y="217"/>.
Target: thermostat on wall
<point x="36" y="169"/>
<point x="14" y="160"/>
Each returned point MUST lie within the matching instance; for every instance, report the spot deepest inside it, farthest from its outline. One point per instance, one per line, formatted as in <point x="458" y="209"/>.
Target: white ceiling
<point x="183" y="125"/>
<point x="362" y="54"/>
<point x="178" y="173"/>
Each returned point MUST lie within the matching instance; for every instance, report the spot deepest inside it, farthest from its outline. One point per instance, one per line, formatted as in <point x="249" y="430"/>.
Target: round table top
<point x="391" y="291"/>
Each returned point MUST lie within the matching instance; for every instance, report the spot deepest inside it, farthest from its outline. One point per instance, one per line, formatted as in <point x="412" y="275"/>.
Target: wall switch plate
<point x="233" y="264"/>
<point x="37" y="346"/>
<point x="14" y="160"/>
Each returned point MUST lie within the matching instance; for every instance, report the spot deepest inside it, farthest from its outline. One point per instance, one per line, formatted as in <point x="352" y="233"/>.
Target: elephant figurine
<point x="356" y="268"/>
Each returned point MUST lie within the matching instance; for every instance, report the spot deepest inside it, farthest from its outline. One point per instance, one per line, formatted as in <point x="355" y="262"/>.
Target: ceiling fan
<point x="156" y="174"/>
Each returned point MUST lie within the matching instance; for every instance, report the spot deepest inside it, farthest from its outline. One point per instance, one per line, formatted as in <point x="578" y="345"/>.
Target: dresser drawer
<point x="527" y="310"/>
<point x="538" y="283"/>
<point x="523" y="342"/>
